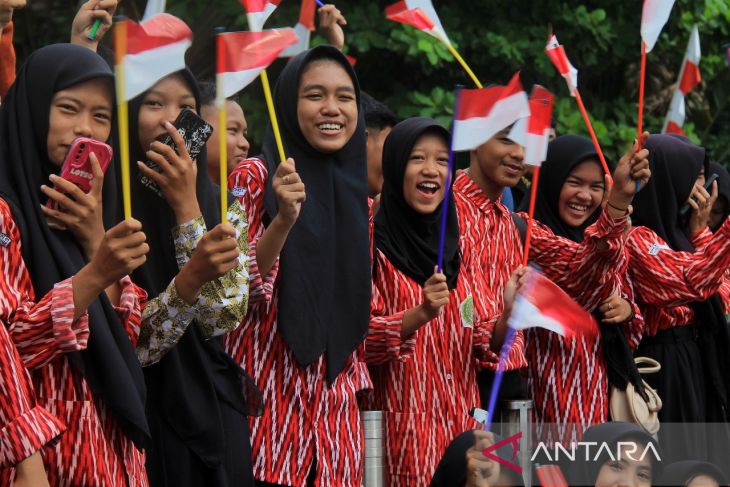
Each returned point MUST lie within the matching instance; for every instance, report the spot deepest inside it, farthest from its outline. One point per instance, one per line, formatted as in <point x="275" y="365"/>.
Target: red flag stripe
<point x="541" y="108"/>
<point x="160" y="30"/>
<point x="399" y="12"/>
<point x="252" y="6"/>
<point x="478" y="102"/>
<point x="673" y="128"/>
<point x="690" y="77"/>
<point x="306" y="14"/>
<point x="560" y="59"/>
<point x="249" y="50"/>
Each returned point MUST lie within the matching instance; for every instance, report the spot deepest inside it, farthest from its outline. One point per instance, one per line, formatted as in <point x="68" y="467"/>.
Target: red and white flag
<point x="419" y="14"/>
<point x="556" y="53"/>
<point x="653" y="17"/>
<point x="533" y="132"/>
<point x="304" y="28"/>
<point x="541" y="303"/>
<point x="257" y="11"/>
<point x="485" y="111"/>
<point x="155" y="49"/>
<point x="689" y="77"/>
<point x="245" y="54"/>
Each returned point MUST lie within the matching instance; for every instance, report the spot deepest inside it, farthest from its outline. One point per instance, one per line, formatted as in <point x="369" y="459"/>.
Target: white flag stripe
<point x="473" y="132"/>
<point x="303" y="34"/>
<point x="144" y="69"/>
<point x="693" y="48"/>
<point x="653" y="17"/>
<point x="153" y="7"/>
<point x="426" y="7"/>
<point x="676" y="112"/>
<point x="238" y="80"/>
<point x="527" y="315"/>
<point x="536" y="148"/>
<point x="256" y="20"/>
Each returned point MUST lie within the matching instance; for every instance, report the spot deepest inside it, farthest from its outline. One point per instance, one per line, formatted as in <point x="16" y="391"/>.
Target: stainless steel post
<point x="374" y="454"/>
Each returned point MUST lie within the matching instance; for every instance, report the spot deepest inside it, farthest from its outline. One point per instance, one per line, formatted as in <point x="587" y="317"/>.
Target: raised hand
<point x="290" y="192"/>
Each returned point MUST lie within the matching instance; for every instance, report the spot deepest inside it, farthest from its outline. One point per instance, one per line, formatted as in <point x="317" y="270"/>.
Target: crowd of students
<point x="173" y="349"/>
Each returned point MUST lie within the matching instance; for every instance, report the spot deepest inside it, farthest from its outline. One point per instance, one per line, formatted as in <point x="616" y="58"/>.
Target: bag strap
<point x="521" y="225"/>
<point x="653" y="365"/>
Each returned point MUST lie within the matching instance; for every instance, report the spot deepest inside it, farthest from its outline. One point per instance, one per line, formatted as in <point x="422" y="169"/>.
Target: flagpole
<point x="642" y="77"/>
<point x="222" y="130"/>
<point x="447" y="189"/>
<point x="120" y="50"/>
<point x="461" y="61"/>
<point x="597" y="146"/>
<point x="272" y="114"/>
<point x="533" y="198"/>
<point x="497" y="383"/>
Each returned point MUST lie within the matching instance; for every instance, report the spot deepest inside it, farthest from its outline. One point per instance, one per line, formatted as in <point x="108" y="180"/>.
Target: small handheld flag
<point x="689" y="77"/>
<point x="485" y="111"/>
<point x="258" y="11"/>
<point x="303" y="29"/>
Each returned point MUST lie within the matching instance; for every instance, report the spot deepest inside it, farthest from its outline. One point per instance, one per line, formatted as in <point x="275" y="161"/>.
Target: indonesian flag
<point x="419" y="14"/>
<point x="556" y="53"/>
<point x="303" y="29"/>
<point x="689" y="77"/>
<point x="653" y="17"/>
<point x="257" y="11"/>
<point x="155" y="49"/>
<point x="243" y="55"/>
<point x="485" y="111"/>
<point x="541" y="303"/>
<point x="533" y="132"/>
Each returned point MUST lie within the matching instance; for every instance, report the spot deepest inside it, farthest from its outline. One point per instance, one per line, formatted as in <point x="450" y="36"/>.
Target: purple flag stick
<point x="320" y="3"/>
<point x="503" y="356"/>
<point x="447" y="189"/>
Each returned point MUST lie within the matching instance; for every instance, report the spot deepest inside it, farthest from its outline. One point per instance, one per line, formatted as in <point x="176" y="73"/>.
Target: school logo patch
<point x="4" y="240"/>
<point x="238" y="192"/>
<point x="466" y="310"/>
<point x="656" y="248"/>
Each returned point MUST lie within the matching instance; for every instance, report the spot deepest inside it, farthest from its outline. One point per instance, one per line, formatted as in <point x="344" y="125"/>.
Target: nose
<point x="518" y="152"/>
<point x="330" y="106"/>
<point x="243" y="143"/>
<point x="584" y="195"/>
<point x="83" y="126"/>
<point x="430" y="168"/>
<point x="170" y="114"/>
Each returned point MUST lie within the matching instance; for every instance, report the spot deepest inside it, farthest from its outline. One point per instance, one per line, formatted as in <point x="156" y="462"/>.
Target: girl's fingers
<point x="151" y="173"/>
<point x="179" y="142"/>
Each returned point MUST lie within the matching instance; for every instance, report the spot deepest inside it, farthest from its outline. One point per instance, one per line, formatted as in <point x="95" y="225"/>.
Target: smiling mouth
<point x="578" y="208"/>
<point x="428" y="188"/>
<point x="330" y="127"/>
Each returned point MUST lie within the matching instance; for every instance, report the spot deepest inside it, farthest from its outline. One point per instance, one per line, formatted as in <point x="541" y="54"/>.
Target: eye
<point x="443" y="161"/>
<point x="188" y="106"/>
<point x="347" y="98"/>
<point x="103" y="116"/>
<point x="417" y="157"/>
<point x="153" y="103"/>
<point x="615" y="466"/>
<point x="313" y="96"/>
<point x="645" y="476"/>
<point x="66" y="107"/>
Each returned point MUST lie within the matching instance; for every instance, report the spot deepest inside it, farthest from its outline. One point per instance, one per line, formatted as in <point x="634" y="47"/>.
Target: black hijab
<point x="584" y="470"/>
<point x="723" y="186"/>
<point x="675" y="164"/>
<point x="564" y="154"/>
<point x="187" y="384"/>
<point x="409" y="239"/>
<point x="324" y="277"/>
<point x="109" y="363"/>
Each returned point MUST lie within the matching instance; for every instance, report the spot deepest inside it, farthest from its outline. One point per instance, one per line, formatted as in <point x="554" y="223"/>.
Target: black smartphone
<point x="195" y="132"/>
<point x="686" y="208"/>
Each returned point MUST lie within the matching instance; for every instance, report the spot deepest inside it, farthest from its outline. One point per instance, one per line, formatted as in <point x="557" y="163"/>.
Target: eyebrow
<point x="348" y="89"/>
<point x="578" y="178"/>
<point x="160" y="93"/>
<point x="79" y="102"/>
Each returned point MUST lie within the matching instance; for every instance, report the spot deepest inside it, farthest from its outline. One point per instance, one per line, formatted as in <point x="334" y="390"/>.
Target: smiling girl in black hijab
<point x="76" y="340"/>
<point x="676" y="290"/>
<point x="428" y="330"/>
<point x="569" y="200"/>
<point x="198" y="286"/>
<point x="302" y="338"/>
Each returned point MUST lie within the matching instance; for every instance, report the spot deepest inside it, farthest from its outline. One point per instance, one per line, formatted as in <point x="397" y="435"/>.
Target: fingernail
<point x="44" y="187"/>
<point x="168" y="124"/>
<point x="52" y="177"/>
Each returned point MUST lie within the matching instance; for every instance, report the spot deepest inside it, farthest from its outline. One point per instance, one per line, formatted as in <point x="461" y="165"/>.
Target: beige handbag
<point x="629" y="406"/>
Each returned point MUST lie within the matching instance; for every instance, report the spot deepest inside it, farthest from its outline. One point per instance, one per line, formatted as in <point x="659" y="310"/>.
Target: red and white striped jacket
<point x="667" y="281"/>
<point x="425" y="384"/>
<point x="24" y="426"/>
<point x="304" y="418"/>
<point x="567" y="378"/>
<point x="700" y="240"/>
<point x="93" y="451"/>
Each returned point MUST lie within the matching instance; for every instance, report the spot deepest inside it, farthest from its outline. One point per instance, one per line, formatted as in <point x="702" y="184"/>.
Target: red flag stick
<point x="642" y="77"/>
<point x="533" y="197"/>
<point x="587" y="120"/>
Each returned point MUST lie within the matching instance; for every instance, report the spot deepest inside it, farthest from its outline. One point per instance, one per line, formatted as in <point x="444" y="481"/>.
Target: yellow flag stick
<point x="272" y="115"/>
<point x="120" y="49"/>
<point x="461" y="61"/>
<point x="220" y="99"/>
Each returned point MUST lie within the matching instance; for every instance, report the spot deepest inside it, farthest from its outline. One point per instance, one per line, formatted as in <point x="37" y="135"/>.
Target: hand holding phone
<point x="170" y="171"/>
<point x="686" y="208"/>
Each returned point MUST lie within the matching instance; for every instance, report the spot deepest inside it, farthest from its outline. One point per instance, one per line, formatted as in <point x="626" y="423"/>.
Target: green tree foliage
<point x="416" y="75"/>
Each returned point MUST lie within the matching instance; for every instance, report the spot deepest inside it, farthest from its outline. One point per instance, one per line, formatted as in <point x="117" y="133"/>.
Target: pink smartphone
<point x="77" y="165"/>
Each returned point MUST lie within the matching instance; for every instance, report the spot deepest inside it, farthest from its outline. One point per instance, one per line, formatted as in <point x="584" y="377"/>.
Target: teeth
<point x="329" y="126"/>
<point x="578" y="207"/>
<point x="431" y="187"/>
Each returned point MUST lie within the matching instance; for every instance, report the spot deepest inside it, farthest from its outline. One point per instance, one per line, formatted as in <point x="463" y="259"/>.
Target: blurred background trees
<point x="416" y="75"/>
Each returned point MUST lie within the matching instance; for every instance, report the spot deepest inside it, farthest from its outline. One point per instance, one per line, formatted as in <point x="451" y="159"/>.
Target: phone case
<point x="77" y="165"/>
<point x="195" y="132"/>
<point x="685" y="210"/>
